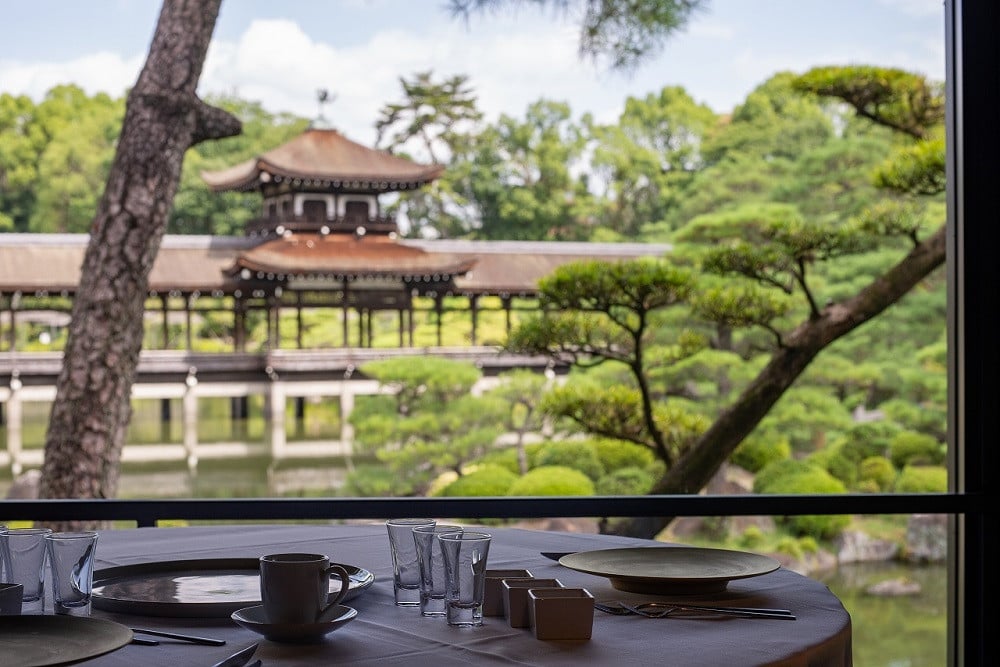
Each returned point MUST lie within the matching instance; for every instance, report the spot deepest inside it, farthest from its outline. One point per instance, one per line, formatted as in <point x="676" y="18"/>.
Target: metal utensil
<point x="238" y="659"/>
<point x="207" y="641"/>
<point x="663" y="610"/>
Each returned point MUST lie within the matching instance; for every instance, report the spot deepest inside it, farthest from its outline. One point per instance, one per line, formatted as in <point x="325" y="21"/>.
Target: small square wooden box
<point x="515" y="598"/>
<point x="493" y="594"/>
<point x="561" y="613"/>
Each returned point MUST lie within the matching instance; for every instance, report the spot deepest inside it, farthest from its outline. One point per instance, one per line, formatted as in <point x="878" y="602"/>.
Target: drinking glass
<point x="465" y="557"/>
<point x="431" y="561"/>
<point x="25" y="553"/>
<point x="405" y="566"/>
<point x="72" y="555"/>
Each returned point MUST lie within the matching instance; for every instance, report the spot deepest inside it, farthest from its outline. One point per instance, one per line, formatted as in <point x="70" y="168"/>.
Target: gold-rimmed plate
<point x="670" y="570"/>
<point x="202" y="588"/>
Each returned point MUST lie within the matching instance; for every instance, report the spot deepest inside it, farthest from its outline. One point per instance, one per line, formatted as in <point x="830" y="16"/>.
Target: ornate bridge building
<point x="322" y="241"/>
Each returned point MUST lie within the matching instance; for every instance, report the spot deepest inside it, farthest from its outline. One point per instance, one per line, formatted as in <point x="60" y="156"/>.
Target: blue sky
<point x="280" y="53"/>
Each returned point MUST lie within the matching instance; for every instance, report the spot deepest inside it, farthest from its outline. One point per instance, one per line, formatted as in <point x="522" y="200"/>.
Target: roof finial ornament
<point x="323" y="96"/>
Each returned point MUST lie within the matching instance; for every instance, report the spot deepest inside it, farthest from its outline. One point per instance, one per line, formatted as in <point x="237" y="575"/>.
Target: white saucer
<point x="253" y="618"/>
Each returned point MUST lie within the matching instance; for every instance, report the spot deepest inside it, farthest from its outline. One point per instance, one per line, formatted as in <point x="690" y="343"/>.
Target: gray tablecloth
<point x="384" y="634"/>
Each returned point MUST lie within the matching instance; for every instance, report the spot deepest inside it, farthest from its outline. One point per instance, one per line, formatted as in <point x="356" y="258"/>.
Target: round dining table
<point x="385" y="634"/>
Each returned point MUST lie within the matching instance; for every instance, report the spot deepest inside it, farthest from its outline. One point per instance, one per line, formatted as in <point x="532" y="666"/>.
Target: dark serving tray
<point x="204" y="588"/>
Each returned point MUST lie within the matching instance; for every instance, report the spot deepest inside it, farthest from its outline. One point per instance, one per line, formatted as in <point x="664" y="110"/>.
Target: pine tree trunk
<point x="163" y="118"/>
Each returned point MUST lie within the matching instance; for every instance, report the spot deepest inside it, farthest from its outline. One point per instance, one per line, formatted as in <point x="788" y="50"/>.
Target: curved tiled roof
<point x="329" y="157"/>
<point x="348" y="255"/>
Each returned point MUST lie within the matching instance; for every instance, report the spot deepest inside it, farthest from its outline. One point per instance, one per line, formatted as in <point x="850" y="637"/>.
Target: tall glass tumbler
<point x="465" y="557"/>
<point x="405" y="566"/>
<point x="25" y="553"/>
<point x="71" y="556"/>
<point x="431" y="560"/>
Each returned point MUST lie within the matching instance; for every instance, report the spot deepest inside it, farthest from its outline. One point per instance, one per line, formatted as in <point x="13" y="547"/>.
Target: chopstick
<point x="756" y="610"/>
<point x="207" y="641"/>
<point x="649" y="609"/>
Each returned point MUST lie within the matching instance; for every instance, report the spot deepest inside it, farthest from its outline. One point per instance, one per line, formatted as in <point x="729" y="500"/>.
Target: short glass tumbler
<point x="405" y="567"/>
<point x="25" y="553"/>
<point x="465" y="557"/>
<point x="431" y="561"/>
<point x="71" y="556"/>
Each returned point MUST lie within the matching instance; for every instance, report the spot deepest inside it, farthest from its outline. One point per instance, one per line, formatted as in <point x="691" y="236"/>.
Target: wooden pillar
<point x="187" y="320"/>
<point x="165" y="327"/>
<point x="298" y="320"/>
<point x="439" y="309"/>
<point x="239" y="324"/>
<point x="276" y="314"/>
<point x="165" y="419"/>
<point x="238" y="412"/>
<point x="300" y="416"/>
<point x="346" y="318"/>
<point x="13" y="328"/>
<point x="505" y="300"/>
<point x="409" y="324"/>
<point x="474" y="315"/>
<point x="368" y="328"/>
<point x="402" y="323"/>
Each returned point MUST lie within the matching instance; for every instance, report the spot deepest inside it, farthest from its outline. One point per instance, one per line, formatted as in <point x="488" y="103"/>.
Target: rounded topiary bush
<point x="868" y="439"/>
<point x="756" y="452"/>
<point x="505" y="458"/>
<point x="577" y="454"/>
<point x="618" y="454"/>
<point x="552" y="481"/>
<point x="877" y="470"/>
<point x="801" y="477"/>
<point x="912" y="448"/>
<point x="631" y="481"/>
<point x="834" y="462"/>
<point x="485" y="480"/>
<point x="922" y="479"/>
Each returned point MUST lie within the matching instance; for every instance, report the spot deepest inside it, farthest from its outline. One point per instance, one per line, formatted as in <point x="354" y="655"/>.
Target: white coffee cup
<point x="294" y="587"/>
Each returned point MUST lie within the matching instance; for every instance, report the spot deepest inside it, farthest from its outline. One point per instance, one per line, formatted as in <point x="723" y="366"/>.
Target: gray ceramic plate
<point x="37" y="641"/>
<point x="254" y="619"/>
<point x="210" y="588"/>
<point x="670" y="570"/>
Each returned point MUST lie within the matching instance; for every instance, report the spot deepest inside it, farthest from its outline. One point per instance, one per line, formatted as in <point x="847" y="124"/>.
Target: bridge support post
<point x="14" y="421"/>
<point x="190" y="419"/>
<point x="276" y="416"/>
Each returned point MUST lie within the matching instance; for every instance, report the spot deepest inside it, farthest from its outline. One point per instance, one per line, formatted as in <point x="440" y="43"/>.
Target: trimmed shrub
<point x="801" y="477"/>
<point x="485" y="480"/>
<point x="617" y="454"/>
<point x="552" y="481"/>
<point x="630" y="481"/>
<point x="922" y="479"/>
<point x="577" y="454"/>
<point x="504" y="458"/>
<point x="370" y="481"/>
<point x="754" y="453"/>
<point x="868" y="439"/>
<point x="877" y="470"/>
<point x="912" y="448"/>
<point x="838" y="465"/>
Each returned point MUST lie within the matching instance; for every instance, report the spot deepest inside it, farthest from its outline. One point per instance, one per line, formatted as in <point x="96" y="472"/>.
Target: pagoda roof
<point x="329" y="157"/>
<point x="349" y="255"/>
